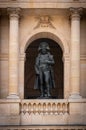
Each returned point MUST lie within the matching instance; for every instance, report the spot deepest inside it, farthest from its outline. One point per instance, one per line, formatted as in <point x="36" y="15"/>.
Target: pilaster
<point x="13" y="51"/>
<point x="75" y="52"/>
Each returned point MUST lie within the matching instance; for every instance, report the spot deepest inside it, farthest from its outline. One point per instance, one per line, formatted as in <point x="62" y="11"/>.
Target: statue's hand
<point x="47" y="61"/>
<point x="37" y="72"/>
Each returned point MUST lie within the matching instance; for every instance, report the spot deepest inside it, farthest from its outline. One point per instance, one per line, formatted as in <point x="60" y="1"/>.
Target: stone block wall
<point x="62" y="26"/>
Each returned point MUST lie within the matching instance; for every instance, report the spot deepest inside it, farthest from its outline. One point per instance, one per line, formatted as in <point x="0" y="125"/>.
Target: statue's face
<point x="44" y="49"/>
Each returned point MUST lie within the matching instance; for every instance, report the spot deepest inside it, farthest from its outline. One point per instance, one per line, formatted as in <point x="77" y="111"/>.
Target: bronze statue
<point x="44" y="72"/>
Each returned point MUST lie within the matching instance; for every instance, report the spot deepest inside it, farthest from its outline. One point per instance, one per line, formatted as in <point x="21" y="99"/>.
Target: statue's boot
<point x="42" y="94"/>
<point x="48" y="92"/>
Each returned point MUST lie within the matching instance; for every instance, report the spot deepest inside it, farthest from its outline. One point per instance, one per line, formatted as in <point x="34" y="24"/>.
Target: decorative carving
<point x="76" y="12"/>
<point x="44" y="21"/>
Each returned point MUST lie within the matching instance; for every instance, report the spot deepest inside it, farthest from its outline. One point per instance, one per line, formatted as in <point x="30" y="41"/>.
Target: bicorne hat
<point x="43" y="45"/>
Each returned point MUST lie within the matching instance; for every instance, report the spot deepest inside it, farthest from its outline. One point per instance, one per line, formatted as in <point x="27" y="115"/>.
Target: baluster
<point x="39" y="108"/>
<point x="66" y="108"/>
<point x="29" y="108"/>
<point x="44" y="108"/>
<point x="24" y="107"/>
<point x="34" y="108"/>
<point x="61" y="108"/>
<point x="58" y="108"/>
<point x="54" y="108"/>
<point x="21" y="106"/>
<point x="49" y="108"/>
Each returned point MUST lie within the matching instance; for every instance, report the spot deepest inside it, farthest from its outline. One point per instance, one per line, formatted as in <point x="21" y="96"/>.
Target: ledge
<point x="46" y="127"/>
<point x="42" y="3"/>
<point x="10" y="100"/>
<point x="83" y="100"/>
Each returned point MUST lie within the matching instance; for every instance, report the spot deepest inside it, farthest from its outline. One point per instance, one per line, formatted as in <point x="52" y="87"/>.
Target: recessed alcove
<point x="29" y="70"/>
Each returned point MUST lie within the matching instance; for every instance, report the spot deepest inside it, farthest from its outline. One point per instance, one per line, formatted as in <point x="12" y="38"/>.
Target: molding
<point x="6" y="101"/>
<point x="83" y="57"/>
<point x="43" y="3"/>
<point x="22" y="57"/>
<point x="4" y="57"/>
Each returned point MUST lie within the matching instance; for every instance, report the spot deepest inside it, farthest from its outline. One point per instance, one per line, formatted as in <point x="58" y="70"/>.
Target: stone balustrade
<point x="42" y="112"/>
<point x="52" y="107"/>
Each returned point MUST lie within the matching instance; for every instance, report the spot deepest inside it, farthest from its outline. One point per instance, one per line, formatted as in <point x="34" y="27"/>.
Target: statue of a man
<point x="44" y="73"/>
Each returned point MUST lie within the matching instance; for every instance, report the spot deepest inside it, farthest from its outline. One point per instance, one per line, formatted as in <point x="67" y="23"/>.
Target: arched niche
<point x="29" y="73"/>
<point x="45" y="33"/>
<point x="61" y="41"/>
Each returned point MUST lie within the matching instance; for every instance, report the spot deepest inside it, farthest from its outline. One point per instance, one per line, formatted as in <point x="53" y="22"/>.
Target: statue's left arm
<point x="51" y="60"/>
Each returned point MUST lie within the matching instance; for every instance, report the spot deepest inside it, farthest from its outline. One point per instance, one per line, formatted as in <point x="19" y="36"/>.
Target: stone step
<point x="43" y="127"/>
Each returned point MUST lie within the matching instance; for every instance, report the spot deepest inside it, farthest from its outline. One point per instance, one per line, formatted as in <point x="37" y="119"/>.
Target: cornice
<point x="43" y="3"/>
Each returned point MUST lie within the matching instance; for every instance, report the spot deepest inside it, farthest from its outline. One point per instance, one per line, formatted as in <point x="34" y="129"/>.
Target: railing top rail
<point x="45" y="100"/>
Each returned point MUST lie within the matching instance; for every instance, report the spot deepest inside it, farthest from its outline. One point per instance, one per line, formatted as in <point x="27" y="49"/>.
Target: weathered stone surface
<point x="28" y="28"/>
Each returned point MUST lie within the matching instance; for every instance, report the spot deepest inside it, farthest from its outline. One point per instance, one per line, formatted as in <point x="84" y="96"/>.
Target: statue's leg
<point x="47" y="76"/>
<point x="41" y="84"/>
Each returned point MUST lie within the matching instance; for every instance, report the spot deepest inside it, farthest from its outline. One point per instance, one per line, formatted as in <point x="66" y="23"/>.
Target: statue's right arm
<point x="37" y="65"/>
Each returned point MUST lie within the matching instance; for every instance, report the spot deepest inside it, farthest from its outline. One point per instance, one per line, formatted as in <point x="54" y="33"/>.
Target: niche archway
<point x="29" y="73"/>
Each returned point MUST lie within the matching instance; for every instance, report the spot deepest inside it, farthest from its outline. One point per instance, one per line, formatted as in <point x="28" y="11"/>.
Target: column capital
<point x="14" y="12"/>
<point x="76" y="12"/>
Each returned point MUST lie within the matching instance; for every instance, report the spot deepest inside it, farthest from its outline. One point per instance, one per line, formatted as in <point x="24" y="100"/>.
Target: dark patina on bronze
<point x="44" y="72"/>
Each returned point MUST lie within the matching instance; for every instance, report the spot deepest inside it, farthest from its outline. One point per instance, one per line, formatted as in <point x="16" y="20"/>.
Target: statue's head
<point x="43" y="46"/>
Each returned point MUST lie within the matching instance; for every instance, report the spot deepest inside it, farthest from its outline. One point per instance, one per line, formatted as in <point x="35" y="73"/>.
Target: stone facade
<point x="21" y="23"/>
